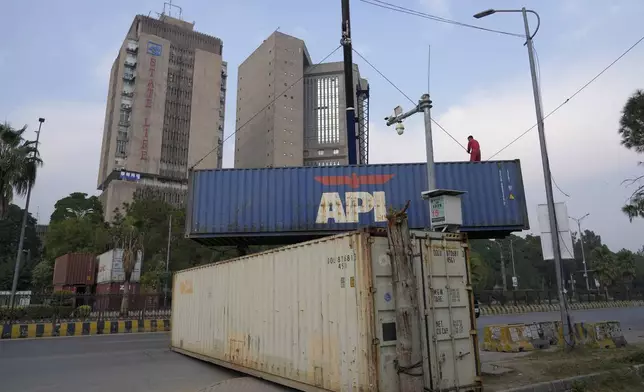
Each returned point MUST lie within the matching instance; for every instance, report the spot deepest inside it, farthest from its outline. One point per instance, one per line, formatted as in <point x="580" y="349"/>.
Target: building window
<point x="336" y="151"/>
<point x="328" y="110"/>
<point x="121" y="146"/>
<point x="320" y="152"/>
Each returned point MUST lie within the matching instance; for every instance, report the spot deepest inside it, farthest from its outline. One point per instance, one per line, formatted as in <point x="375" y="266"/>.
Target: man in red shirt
<point x="474" y="149"/>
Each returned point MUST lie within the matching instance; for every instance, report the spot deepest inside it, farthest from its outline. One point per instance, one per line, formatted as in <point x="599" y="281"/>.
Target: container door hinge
<point x="375" y="342"/>
<point x="373" y="290"/>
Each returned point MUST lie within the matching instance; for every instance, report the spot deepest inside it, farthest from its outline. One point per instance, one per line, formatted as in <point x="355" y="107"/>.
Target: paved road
<point x="630" y="318"/>
<point x="142" y="362"/>
<point x="124" y="363"/>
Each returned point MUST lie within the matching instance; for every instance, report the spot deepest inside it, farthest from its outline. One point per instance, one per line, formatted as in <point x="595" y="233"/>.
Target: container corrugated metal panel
<point x="75" y="269"/>
<point x="306" y="316"/>
<point x="110" y="267"/>
<point x="314" y="200"/>
<point x="287" y="313"/>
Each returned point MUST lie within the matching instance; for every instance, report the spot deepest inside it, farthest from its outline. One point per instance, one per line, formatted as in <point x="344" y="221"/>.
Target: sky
<point x="57" y="66"/>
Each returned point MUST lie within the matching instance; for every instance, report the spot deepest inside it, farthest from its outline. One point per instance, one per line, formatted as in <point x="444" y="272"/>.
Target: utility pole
<point x="408" y="347"/>
<point x="167" y="264"/>
<point x="21" y="241"/>
<point x="503" y="274"/>
<point x="352" y="141"/>
<point x="515" y="279"/>
<point x="583" y="253"/>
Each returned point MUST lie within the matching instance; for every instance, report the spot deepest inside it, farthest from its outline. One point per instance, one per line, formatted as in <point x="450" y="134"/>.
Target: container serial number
<point x="341" y="261"/>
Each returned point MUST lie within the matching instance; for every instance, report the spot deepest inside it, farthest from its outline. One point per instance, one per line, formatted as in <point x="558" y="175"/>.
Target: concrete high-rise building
<point x="165" y="111"/>
<point x="303" y="126"/>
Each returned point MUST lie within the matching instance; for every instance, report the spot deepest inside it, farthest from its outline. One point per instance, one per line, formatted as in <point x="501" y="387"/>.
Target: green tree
<point x="625" y="260"/>
<point x="77" y="205"/>
<point x="42" y="276"/>
<point x="9" y="236"/>
<point x="127" y="234"/>
<point x="631" y="129"/>
<point x="605" y="266"/>
<point x="479" y="272"/>
<point x="19" y="160"/>
<point x="76" y="234"/>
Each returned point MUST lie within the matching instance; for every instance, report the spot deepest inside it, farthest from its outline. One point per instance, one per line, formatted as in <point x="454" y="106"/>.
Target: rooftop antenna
<point x="429" y="61"/>
<point x="170" y="6"/>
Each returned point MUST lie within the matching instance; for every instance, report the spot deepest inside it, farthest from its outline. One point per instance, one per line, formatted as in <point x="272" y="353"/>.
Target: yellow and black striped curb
<point x="512" y="309"/>
<point x="105" y="327"/>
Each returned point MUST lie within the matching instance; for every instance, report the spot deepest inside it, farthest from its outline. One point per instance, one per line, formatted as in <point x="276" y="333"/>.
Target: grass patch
<point x="556" y="364"/>
<point x="615" y="381"/>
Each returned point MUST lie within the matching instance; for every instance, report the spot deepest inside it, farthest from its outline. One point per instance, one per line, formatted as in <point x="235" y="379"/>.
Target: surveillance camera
<point x="386" y="118"/>
<point x="400" y="128"/>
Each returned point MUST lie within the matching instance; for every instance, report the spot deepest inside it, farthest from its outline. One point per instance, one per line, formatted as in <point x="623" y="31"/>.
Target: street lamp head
<point x="41" y="120"/>
<point x="485" y="13"/>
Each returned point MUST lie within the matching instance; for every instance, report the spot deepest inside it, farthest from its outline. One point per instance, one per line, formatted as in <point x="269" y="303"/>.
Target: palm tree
<point x="127" y="235"/>
<point x="19" y="160"/>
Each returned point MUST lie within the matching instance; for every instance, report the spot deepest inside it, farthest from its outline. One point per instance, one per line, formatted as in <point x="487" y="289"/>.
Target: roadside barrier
<point x="604" y="334"/>
<point x="541" y="335"/>
<point x="488" y="310"/>
<point x="103" y="327"/>
<point x="508" y="338"/>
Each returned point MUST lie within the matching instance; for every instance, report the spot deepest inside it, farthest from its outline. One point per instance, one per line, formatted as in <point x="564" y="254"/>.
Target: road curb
<point x="517" y="309"/>
<point x="566" y="384"/>
<point x="81" y="328"/>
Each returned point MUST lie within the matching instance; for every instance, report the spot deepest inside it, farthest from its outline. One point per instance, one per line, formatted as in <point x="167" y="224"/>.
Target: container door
<point x="385" y="314"/>
<point x="453" y="360"/>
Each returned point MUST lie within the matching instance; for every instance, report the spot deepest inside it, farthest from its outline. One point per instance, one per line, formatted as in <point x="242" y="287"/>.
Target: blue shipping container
<point x="233" y="206"/>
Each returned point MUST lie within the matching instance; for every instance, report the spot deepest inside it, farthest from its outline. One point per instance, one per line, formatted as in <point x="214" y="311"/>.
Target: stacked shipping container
<point x="289" y="205"/>
<point x="75" y="272"/>
<point x="111" y="278"/>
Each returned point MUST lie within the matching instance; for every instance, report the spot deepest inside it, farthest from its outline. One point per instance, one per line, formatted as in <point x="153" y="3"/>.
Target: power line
<point x="571" y="97"/>
<point x="405" y="95"/>
<point x="264" y="108"/>
<point x="557" y="186"/>
<point x="408" y="11"/>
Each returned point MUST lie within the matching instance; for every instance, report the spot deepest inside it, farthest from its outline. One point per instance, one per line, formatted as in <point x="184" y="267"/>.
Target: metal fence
<point x="537" y="297"/>
<point x="83" y="307"/>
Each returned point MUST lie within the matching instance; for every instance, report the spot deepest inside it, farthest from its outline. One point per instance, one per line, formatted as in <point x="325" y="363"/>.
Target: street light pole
<point x="21" y="241"/>
<point x="550" y="200"/>
<point x="583" y="253"/>
<point x="167" y="264"/>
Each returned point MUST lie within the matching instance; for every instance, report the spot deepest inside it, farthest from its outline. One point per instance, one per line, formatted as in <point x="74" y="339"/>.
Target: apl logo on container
<point x="331" y="205"/>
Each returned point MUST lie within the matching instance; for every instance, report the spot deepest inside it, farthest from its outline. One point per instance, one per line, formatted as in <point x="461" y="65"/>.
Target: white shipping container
<point x="110" y="267"/>
<point x="320" y="316"/>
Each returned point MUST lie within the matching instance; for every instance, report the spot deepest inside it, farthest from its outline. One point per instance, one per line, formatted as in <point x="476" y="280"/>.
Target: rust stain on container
<point x="75" y="269"/>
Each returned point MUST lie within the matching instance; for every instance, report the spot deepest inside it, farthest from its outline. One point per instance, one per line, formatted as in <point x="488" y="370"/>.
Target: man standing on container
<point x="474" y="149"/>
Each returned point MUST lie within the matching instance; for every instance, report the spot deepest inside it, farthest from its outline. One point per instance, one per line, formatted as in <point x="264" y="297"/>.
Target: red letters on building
<point x="149" y="101"/>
